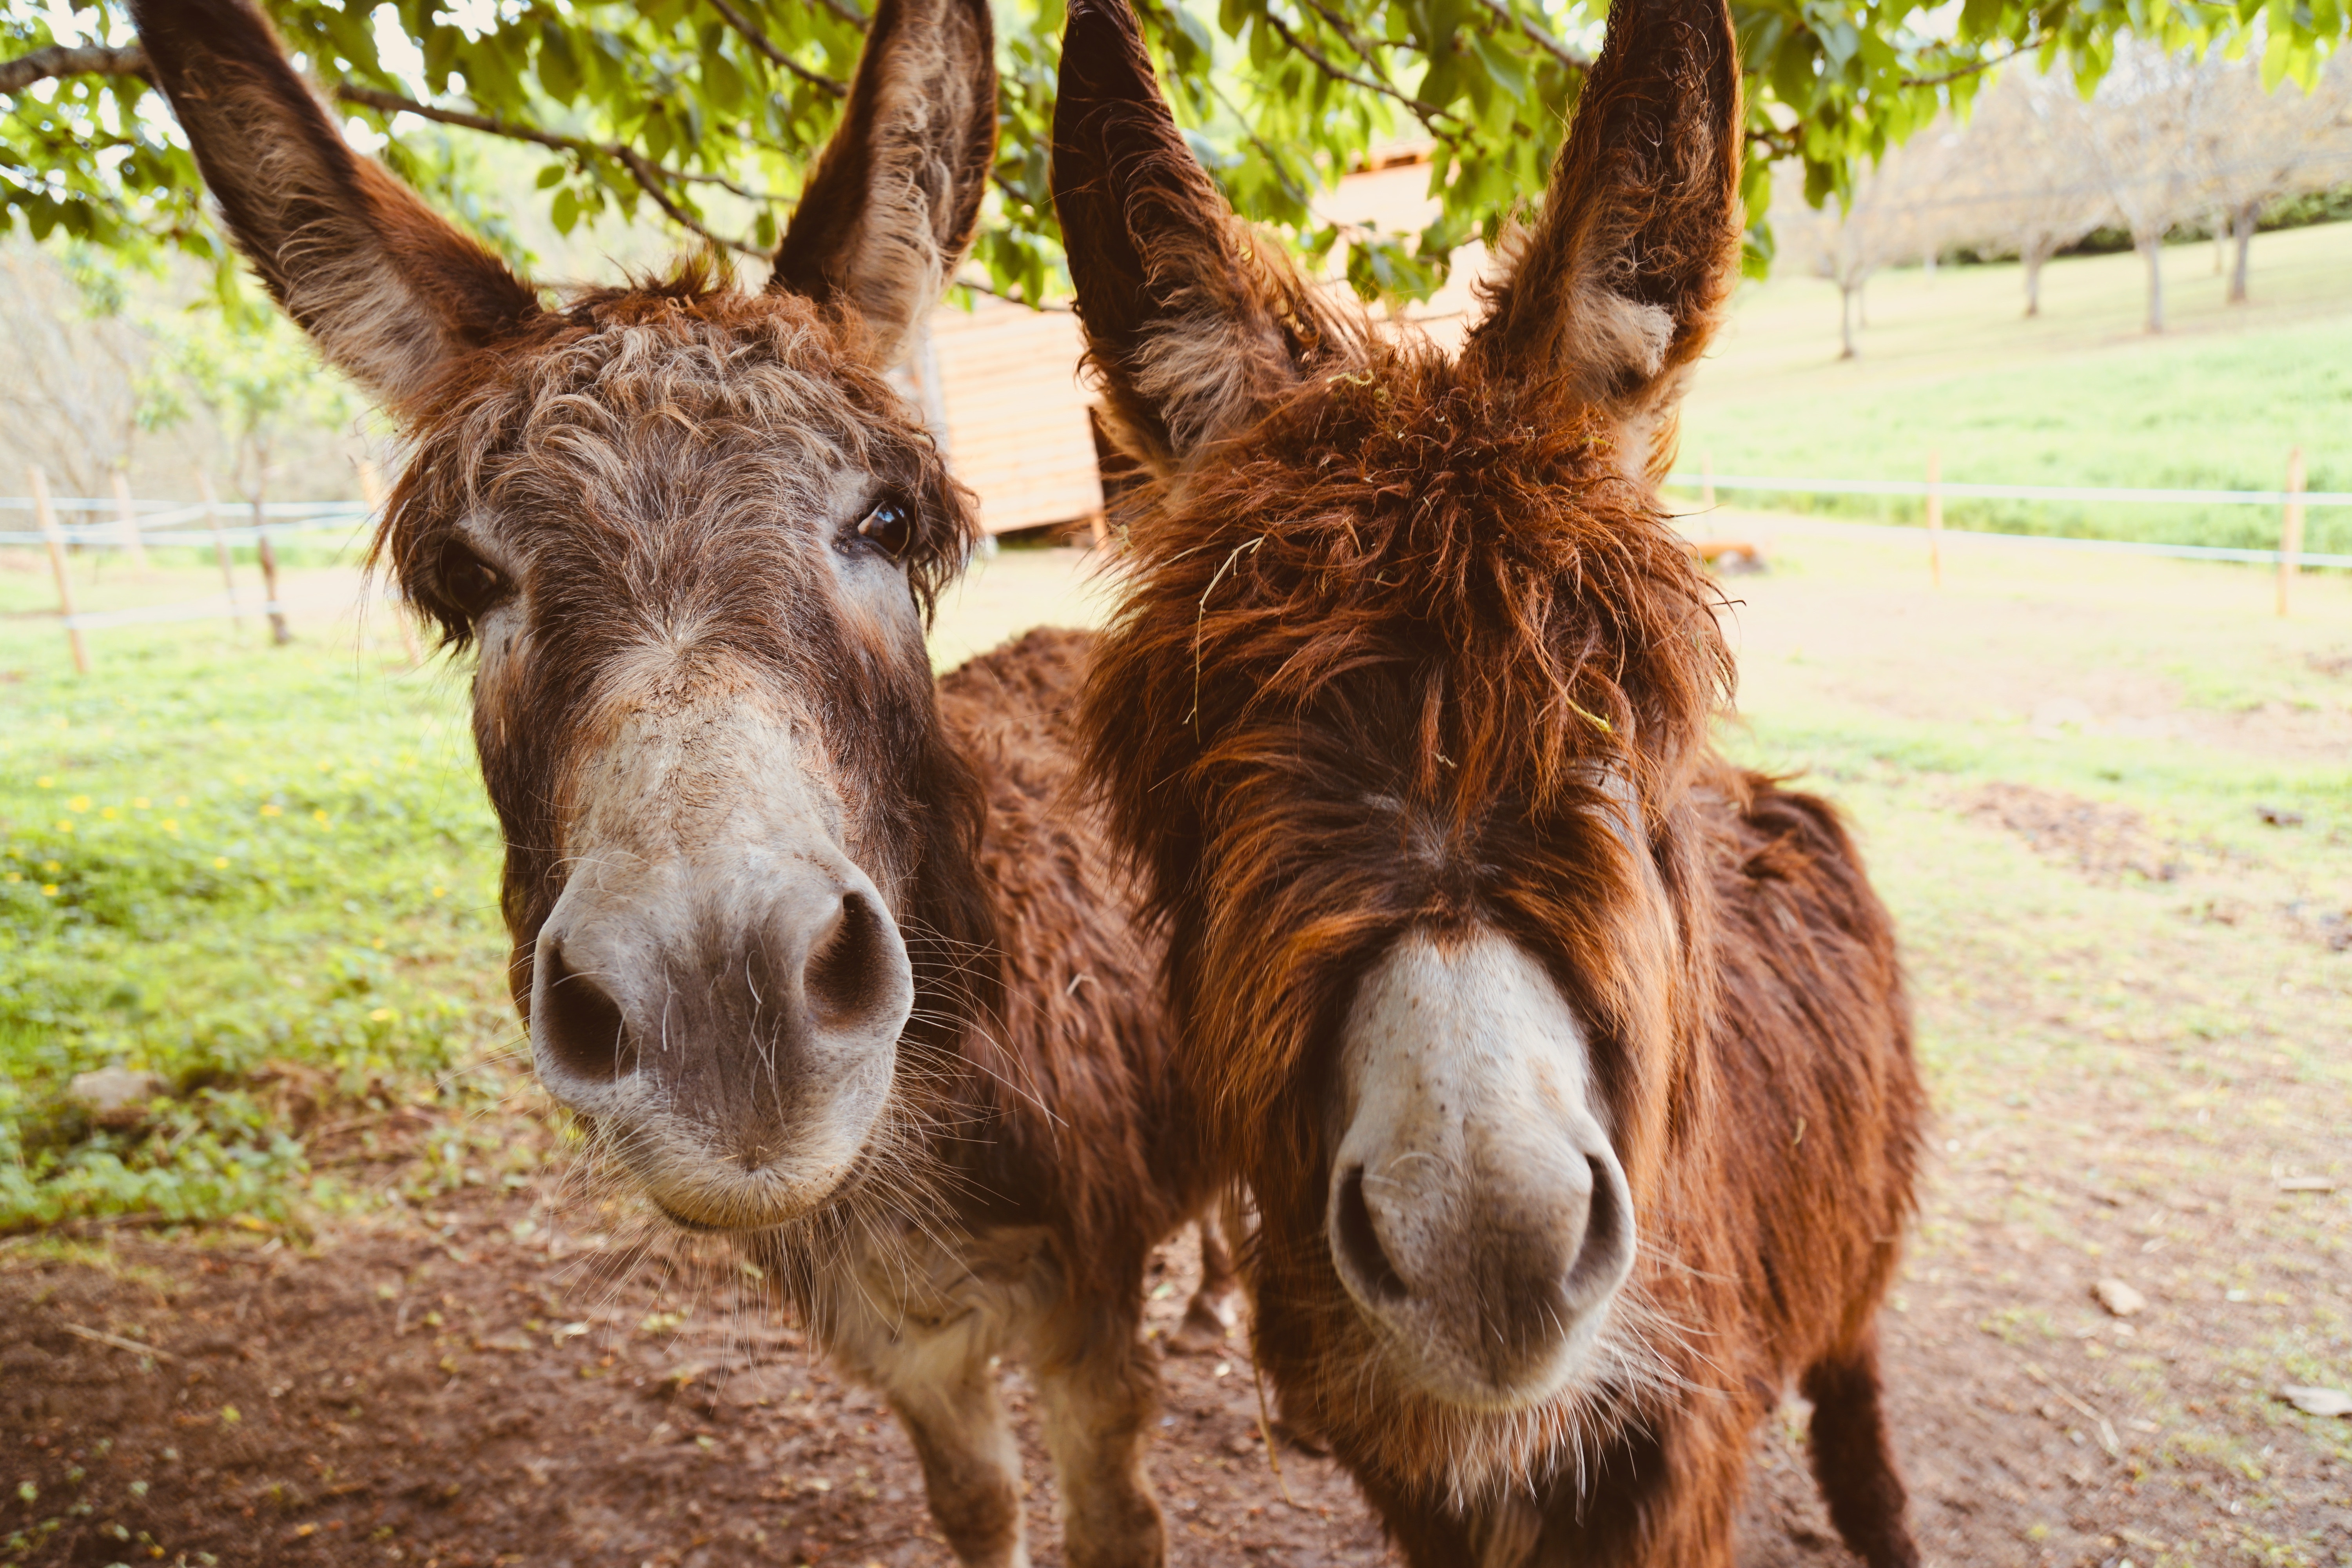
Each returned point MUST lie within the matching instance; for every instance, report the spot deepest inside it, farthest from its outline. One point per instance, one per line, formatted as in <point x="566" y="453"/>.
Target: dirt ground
<point x="2139" y="1029"/>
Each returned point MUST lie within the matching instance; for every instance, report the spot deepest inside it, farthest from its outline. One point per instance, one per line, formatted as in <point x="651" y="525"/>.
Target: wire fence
<point x="2286" y="501"/>
<point x="172" y="525"/>
<point x="134" y="526"/>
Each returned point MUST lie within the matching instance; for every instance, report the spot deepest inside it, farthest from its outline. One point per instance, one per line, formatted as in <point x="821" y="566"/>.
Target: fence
<point x="2290" y="557"/>
<point x="137" y="524"/>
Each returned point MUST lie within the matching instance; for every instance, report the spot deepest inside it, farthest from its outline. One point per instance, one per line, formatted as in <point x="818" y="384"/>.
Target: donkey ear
<point x="390" y="290"/>
<point x="887" y="215"/>
<point x="1619" y="286"/>
<point x="1192" y="330"/>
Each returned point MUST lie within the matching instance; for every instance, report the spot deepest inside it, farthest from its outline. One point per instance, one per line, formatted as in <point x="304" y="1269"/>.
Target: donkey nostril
<point x="1600" y="1253"/>
<point x="847" y="975"/>
<point x="1358" y="1244"/>
<point x="581" y="1025"/>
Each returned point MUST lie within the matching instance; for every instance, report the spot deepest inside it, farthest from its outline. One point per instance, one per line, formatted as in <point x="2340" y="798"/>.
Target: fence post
<point x="1936" y="516"/>
<point x="56" y="544"/>
<point x="2291" y="530"/>
<point x="220" y="546"/>
<point x="1707" y="480"/>
<point x="134" y="547"/>
<point x="280" y="633"/>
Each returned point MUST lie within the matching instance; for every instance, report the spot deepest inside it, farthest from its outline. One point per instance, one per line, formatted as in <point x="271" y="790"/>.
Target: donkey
<point x="1569" y="1066"/>
<point x="816" y="948"/>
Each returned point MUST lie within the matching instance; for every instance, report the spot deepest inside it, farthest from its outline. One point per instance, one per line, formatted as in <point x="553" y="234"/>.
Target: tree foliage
<point x="706" y="111"/>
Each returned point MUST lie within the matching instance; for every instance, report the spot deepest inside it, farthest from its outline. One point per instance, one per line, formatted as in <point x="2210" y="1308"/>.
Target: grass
<point x="2080" y="395"/>
<point x="262" y="875"/>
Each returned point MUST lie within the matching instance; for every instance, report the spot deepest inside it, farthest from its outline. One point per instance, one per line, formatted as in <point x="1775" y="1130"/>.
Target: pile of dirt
<point x="2103" y="841"/>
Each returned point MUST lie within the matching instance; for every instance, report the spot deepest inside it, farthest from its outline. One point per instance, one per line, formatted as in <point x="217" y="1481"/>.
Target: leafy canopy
<point x="708" y="111"/>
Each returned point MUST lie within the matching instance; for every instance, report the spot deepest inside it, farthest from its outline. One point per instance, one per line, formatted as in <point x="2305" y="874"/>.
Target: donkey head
<point x="1409" y="683"/>
<point x="695" y="537"/>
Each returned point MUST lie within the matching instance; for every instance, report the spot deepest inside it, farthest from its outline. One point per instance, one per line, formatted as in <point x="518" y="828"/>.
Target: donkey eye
<point x="470" y="582"/>
<point x="889" y="526"/>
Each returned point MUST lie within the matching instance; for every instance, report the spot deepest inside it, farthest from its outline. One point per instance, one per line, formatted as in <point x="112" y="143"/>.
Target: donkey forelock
<point x="1376" y="664"/>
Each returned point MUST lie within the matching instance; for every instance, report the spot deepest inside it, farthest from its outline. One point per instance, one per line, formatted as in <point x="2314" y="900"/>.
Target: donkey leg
<point x="1096" y="1407"/>
<point x="1852" y="1459"/>
<point x="928" y="1354"/>
<point x="971" y="1467"/>
<point x="1207" y="1321"/>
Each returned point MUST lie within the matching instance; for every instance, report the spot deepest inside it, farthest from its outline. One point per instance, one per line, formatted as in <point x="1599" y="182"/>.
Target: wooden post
<point x="56" y="544"/>
<point x="133" y="548"/>
<point x="220" y="547"/>
<point x="1707" y="480"/>
<point x="1936" y="517"/>
<point x="2291" y="531"/>
<point x="280" y="633"/>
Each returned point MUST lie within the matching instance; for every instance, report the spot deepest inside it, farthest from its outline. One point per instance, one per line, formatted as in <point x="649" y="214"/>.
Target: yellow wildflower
<point x="272" y="810"/>
<point x="138" y="803"/>
<point x="220" y="862"/>
<point x="45" y="782"/>
<point x="49" y="889"/>
<point x="79" y="803"/>
<point x="380" y="1015"/>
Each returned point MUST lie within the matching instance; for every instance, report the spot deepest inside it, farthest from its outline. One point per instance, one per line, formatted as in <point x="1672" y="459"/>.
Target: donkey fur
<point x="1400" y="630"/>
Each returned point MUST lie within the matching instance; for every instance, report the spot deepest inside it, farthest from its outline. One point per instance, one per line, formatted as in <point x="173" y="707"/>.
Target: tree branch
<point x="1539" y="37"/>
<point x="762" y="42"/>
<point x="1427" y="113"/>
<point x="71" y="59"/>
<point x="847" y="13"/>
<point x="1979" y="67"/>
<point x="651" y="177"/>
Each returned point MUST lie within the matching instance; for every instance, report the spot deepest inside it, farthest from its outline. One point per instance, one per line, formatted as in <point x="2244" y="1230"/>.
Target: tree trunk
<point x="1849" y="294"/>
<point x="2033" y="256"/>
<point x="2153" y="249"/>
<point x="2241" y="229"/>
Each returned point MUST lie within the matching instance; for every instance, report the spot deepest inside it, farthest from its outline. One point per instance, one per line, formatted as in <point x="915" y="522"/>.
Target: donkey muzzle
<point x="731" y="1031"/>
<point x="1477" y="1214"/>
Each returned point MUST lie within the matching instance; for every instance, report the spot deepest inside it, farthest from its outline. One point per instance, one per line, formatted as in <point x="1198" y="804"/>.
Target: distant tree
<point x="1899" y="211"/>
<point x="73" y="355"/>
<point x="2029" y="155"/>
<point x="255" y="376"/>
<point x="2258" y="147"/>
<point x="2145" y="127"/>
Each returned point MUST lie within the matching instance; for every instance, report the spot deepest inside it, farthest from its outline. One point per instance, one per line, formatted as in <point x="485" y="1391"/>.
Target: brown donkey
<point x="1568" y="1066"/>
<point x="813" y="945"/>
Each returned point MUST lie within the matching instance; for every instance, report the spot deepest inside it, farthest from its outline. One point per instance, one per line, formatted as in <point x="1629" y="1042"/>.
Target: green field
<point x="2080" y="395"/>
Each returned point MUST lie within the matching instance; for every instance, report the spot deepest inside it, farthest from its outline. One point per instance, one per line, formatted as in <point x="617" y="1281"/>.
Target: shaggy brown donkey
<point x="1568" y="1066"/>
<point x="813" y="945"/>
